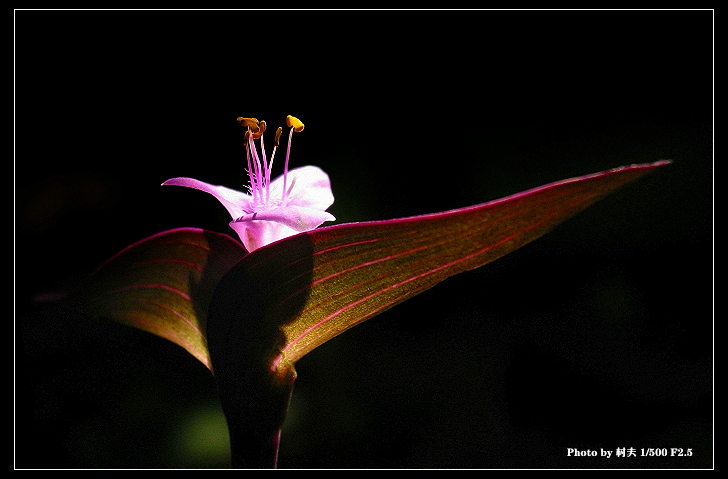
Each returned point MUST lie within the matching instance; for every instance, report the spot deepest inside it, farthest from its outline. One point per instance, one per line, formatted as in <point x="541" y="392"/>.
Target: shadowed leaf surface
<point x="163" y="285"/>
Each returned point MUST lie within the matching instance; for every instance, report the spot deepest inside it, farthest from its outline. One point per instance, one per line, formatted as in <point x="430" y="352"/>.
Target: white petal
<point x="256" y="234"/>
<point x="234" y="201"/>
<point x="311" y="188"/>
<point x="298" y="218"/>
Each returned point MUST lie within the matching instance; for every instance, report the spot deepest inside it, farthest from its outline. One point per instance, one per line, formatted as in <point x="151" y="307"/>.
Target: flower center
<point x="259" y="168"/>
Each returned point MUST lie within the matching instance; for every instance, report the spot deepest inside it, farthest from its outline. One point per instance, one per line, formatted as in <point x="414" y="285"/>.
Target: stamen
<point x="261" y="130"/>
<point x="258" y="170"/>
<point x="294" y="122"/>
<point x="250" y="169"/>
<point x="251" y="123"/>
<point x="285" y="167"/>
<point x="259" y="173"/>
<point x="265" y="175"/>
<point x="290" y="188"/>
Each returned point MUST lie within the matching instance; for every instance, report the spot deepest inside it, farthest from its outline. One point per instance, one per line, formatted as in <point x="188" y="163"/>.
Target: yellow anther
<point x="295" y="123"/>
<point x="248" y="121"/>
<point x="259" y="133"/>
<point x="251" y="123"/>
<point x="278" y="135"/>
<point x="247" y="136"/>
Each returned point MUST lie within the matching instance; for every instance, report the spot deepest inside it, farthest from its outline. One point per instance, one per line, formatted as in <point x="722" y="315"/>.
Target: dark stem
<point x="255" y="428"/>
<point x="244" y="339"/>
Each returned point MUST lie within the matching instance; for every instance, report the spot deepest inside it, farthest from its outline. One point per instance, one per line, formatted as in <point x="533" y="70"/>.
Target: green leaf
<point x="163" y="284"/>
<point x="312" y="287"/>
<point x="282" y="301"/>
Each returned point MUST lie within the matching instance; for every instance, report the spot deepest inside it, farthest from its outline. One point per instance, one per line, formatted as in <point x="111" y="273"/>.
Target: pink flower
<point x="292" y="203"/>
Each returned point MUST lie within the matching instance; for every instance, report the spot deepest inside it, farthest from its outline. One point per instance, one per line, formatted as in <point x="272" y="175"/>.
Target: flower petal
<point x="263" y="228"/>
<point x="298" y="218"/>
<point x="311" y="188"/>
<point x="234" y="201"/>
<point x="256" y="234"/>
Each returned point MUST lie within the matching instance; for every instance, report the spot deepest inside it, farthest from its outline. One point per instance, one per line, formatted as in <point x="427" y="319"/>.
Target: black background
<point x="598" y="335"/>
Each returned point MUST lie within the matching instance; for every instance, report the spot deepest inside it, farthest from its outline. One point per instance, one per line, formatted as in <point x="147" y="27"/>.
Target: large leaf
<point x="282" y="301"/>
<point x="163" y="284"/>
<point x="312" y="287"/>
